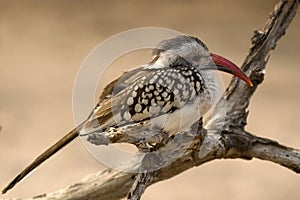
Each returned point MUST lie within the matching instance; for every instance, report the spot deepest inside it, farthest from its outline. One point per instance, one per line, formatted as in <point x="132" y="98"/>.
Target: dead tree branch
<point x="111" y="184"/>
<point x="225" y="137"/>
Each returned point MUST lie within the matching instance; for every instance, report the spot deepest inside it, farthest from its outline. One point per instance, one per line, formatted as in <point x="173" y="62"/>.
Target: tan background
<point x="43" y="43"/>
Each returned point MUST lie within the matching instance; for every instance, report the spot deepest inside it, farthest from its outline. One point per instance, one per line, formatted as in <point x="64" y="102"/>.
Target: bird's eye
<point x="196" y="58"/>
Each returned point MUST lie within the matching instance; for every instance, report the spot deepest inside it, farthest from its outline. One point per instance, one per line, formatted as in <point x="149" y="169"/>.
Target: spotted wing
<point x="142" y="94"/>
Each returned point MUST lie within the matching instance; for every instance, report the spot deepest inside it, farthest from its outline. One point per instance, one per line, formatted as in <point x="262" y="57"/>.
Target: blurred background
<point x="43" y="43"/>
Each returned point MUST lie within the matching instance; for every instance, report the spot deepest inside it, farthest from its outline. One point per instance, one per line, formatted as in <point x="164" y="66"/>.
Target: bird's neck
<point x="212" y="85"/>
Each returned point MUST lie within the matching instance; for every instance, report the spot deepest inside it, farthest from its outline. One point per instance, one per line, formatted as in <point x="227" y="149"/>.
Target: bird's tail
<point x="44" y="156"/>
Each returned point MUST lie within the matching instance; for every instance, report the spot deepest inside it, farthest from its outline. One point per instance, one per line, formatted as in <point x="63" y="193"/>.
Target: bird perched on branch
<point x="173" y="90"/>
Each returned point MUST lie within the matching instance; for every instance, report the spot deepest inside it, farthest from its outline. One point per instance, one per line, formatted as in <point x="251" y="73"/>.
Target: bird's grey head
<point x="190" y="51"/>
<point x="187" y="50"/>
<point x="179" y="49"/>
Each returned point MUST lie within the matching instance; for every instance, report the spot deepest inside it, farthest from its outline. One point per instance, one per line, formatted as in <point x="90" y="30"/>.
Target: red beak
<point x="227" y="66"/>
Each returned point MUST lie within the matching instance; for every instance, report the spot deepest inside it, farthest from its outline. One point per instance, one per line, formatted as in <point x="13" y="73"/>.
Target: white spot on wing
<point x="164" y="94"/>
<point x="130" y="101"/>
<point x="134" y="94"/>
<point x="127" y="116"/>
<point x="137" y="108"/>
<point x="145" y="101"/>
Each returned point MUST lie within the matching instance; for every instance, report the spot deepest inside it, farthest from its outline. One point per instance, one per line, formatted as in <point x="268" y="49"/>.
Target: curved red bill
<point x="227" y="66"/>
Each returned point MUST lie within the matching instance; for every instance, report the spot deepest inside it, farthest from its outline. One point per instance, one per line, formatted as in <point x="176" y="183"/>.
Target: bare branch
<point x="237" y="96"/>
<point x="111" y="184"/>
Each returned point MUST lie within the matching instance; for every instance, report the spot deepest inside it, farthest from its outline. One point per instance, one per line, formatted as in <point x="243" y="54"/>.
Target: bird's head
<point x="193" y="51"/>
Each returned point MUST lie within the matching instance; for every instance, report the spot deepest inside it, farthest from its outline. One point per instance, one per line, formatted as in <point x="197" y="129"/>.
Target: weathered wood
<point x="111" y="184"/>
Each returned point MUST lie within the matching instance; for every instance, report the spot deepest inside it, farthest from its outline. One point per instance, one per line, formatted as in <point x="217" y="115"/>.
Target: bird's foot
<point x="97" y="139"/>
<point x="156" y="138"/>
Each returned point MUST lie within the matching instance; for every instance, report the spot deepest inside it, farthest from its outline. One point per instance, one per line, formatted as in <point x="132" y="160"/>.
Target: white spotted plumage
<point x="170" y="85"/>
